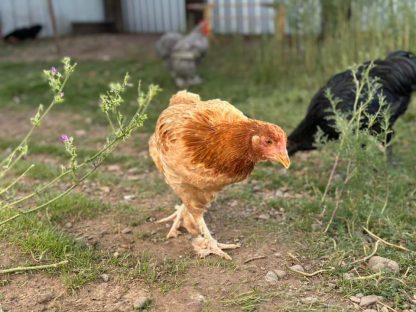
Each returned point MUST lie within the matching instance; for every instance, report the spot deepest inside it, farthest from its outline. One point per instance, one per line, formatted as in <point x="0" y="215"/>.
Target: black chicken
<point x="397" y="76"/>
<point x="24" y="33"/>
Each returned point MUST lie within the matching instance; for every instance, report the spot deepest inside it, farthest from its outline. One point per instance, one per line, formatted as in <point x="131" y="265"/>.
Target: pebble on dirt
<point x="369" y="300"/>
<point x="46" y="297"/>
<point x="280" y="273"/>
<point x="377" y="264"/>
<point x="271" y="278"/>
<point x="297" y="267"/>
<point x="105" y="277"/>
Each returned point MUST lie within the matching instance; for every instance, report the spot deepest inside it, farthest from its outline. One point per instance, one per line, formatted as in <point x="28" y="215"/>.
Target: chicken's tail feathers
<point x="184" y="97"/>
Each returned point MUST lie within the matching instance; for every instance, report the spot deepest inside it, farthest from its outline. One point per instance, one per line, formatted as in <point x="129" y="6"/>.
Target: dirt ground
<point x="260" y="252"/>
<point x="207" y="285"/>
<point x="98" y="47"/>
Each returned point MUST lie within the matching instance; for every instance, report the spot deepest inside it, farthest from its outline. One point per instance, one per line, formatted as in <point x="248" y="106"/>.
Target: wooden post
<point x="54" y="27"/>
<point x="113" y="13"/>
<point x="280" y="22"/>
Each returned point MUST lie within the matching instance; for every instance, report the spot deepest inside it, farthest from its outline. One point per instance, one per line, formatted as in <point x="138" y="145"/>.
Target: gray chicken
<point x="182" y="54"/>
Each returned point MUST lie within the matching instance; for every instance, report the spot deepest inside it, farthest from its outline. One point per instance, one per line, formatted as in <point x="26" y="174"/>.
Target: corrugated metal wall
<point x="245" y="17"/>
<point x="21" y="13"/>
<point x="255" y="17"/>
<point x="154" y="16"/>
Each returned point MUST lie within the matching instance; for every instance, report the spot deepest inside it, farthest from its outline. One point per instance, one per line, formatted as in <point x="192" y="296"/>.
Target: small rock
<point x="377" y="264"/>
<point x="309" y="300"/>
<point x="355" y="299"/>
<point x="129" y="197"/>
<point x="141" y="302"/>
<point x="370" y="310"/>
<point x="68" y="225"/>
<point x="297" y="267"/>
<point x="116" y="254"/>
<point x="46" y="297"/>
<point x="277" y="254"/>
<point x="359" y="295"/>
<point x="280" y="273"/>
<point x="368" y="300"/>
<point x="263" y="216"/>
<point x="271" y="278"/>
<point x="384" y="309"/>
<point x="105" y="277"/>
<point x="126" y="230"/>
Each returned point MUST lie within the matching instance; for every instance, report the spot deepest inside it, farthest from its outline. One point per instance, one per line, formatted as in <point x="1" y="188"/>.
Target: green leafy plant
<point x="77" y="170"/>
<point x="359" y="192"/>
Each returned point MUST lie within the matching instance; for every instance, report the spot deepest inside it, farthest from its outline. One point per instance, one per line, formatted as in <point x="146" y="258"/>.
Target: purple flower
<point x="63" y="138"/>
<point x="53" y="70"/>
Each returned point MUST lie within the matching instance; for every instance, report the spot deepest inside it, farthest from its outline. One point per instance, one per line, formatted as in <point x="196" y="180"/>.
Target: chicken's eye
<point x="269" y="142"/>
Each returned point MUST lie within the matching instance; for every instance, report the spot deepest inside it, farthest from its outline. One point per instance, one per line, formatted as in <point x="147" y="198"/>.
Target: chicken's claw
<point x="207" y="246"/>
<point x="177" y="217"/>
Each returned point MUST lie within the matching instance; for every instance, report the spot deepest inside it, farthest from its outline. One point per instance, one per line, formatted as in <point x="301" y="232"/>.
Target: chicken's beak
<point x="283" y="158"/>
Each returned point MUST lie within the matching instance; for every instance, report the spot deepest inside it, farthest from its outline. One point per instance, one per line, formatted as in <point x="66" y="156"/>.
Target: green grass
<point x="248" y="301"/>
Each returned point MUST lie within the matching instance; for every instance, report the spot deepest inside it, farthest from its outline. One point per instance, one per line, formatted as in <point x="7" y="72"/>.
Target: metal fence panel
<point x="154" y="16"/>
<point x="20" y="13"/>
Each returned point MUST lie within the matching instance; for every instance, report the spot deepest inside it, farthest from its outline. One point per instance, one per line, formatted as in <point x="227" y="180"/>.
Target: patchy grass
<point x="248" y="301"/>
<point x="292" y="199"/>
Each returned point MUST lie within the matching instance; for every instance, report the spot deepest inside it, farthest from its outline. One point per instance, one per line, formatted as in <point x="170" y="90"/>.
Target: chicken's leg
<point x="205" y="245"/>
<point x="181" y="217"/>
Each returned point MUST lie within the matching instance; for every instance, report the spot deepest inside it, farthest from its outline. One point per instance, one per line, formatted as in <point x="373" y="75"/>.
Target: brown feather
<point x="225" y="148"/>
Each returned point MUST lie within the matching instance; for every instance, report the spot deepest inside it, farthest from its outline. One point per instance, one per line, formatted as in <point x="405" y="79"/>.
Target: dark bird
<point x="397" y="79"/>
<point x="23" y="33"/>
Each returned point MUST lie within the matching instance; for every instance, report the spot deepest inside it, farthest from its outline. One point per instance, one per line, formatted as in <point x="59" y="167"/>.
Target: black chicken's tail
<point x="303" y="137"/>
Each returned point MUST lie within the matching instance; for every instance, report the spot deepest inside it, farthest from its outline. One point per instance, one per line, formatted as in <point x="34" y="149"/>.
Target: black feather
<point x="397" y="76"/>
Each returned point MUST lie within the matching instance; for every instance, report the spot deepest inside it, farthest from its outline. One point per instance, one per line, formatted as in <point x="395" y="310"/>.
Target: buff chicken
<point x="202" y="146"/>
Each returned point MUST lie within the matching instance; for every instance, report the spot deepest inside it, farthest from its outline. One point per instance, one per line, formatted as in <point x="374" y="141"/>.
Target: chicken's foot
<point x="206" y="244"/>
<point x="177" y="217"/>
